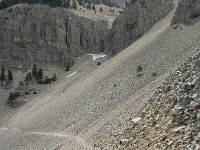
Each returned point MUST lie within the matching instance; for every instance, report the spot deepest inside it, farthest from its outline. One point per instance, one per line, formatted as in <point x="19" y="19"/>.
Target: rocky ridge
<point x="186" y="11"/>
<point x="171" y="120"/>
<point x="134" y="22"/>
<point x="38" y="33"/>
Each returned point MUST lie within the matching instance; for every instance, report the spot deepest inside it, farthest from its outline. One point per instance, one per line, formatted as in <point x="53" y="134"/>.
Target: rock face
<point x="34" y="33"/>
<point x="137" y="19"/>
<point x="187" y="10"/>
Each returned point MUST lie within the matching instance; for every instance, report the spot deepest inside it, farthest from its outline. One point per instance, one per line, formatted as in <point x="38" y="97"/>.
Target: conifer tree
<point x="3" y="75"/>
<point x="34" y="71"/>
<point x="40" y="74"/>
<point x="74" y="4"/>
<point x="10" y="75"/>
<point x="93" y="7"/>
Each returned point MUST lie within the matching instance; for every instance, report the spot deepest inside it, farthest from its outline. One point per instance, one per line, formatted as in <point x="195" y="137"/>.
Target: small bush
<point x="99" y="63"/>
<point x="26" y="93"/>
<point x="68" y="68"/>
<point x="140" y="68"/>
<point x="54" y="78"/>
<point x="13" y="96"/>
<point x="154" y="74"/>
<point x="21" y="83"/>
<point x="34" y="93"/>
<point x="47" y="81"/>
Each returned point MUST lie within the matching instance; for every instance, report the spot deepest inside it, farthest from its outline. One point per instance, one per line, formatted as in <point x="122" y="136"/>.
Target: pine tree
<point x="3" y="75"/>
<point x="40" y="74"/>
<point x="80" y="3"/>
<point x="127" y="4"/>
<point x="10" y="75"/>
<point x="74" y="4"/>
<point x="93" y="7"/>
<point x="34" y="71"/>
<point x="28" y="77"/>
<point x="101" y="9"/>
<point x="67" y="4"/>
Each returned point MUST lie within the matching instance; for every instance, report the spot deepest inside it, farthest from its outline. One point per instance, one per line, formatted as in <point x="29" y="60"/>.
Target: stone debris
<point x="171" y="120"/>
<point x="135" y="120"/>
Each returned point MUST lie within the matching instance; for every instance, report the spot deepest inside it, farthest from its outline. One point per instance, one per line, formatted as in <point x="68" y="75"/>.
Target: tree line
<point x="55" y="3"/>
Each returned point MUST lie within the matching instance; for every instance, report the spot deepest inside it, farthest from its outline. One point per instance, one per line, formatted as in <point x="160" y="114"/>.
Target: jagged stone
<point x="186" y="101"/>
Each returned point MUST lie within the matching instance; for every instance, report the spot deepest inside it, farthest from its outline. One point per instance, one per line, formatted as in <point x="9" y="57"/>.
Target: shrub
<point x="26" y="93"/>
<point x="68" y="68"/>
<point x="99" y="63"/>
<point x="154" y="74"/>
<point x="3" y="75"/>
<point x="40" y="74"/>
<point x="54" y="78"/>
<point x="34" y="71"/>
<point x="140" y="68"/>
<point x="12" y="97"/>
<point x="21" y="83"/>
<point x="10" y="75"/>
<point x="47" y="81"/>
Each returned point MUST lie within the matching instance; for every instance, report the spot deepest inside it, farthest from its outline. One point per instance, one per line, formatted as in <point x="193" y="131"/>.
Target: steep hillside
<point x="85" y="112"/>
<point x="37" y="33"/>
<point x="135" y="21"/>
<point x="171" y="120"/>
<point x="91" y="106"/>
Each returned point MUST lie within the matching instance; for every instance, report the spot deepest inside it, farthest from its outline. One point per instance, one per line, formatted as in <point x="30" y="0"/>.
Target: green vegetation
<point x="12" y="97"/>
<point x="28" y="77"/>
<point x="10" y="76"/>
<point x="74" y="4"/>
<point x="39" y="76"/>
<point x="140" y="68"/>
<point x="3" y="75"/>
<point x="52" y="3"/>
<point x="56" y="3"/>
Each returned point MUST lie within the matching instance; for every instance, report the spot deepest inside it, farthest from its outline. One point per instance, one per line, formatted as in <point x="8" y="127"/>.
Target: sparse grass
<point x="140" y="68"/>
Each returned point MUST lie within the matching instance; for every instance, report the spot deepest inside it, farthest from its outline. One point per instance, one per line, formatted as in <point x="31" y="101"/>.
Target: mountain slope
<point x="107" y="95"/>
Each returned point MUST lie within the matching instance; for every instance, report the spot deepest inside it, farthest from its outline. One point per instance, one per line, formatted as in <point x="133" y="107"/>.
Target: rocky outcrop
<point x="37" y="33"/>
<point x="187" y="10"/>
<point x="136" y="20"/>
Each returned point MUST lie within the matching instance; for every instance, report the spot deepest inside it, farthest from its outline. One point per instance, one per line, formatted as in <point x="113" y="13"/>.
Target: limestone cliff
<point x="137" y="19"/>
<point x="187" y="10"/>
<point x="35" y="33"/>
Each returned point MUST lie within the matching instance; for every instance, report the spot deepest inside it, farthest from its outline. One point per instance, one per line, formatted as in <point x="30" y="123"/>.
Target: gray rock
<point x="187" y="9"/>
<point x="186" y="101"/>
<point x="197" y="64"/>
<point x="38" y="33"/>
<point x="194" y="105"/>
<point x="135" y="22"/>
<point x="178" y="110"/>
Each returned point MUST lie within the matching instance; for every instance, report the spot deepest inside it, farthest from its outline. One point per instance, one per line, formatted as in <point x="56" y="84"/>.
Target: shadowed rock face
<point x="136" y="20"/>
<point x="34" y="33"/>
<point x="187" y="10"/>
